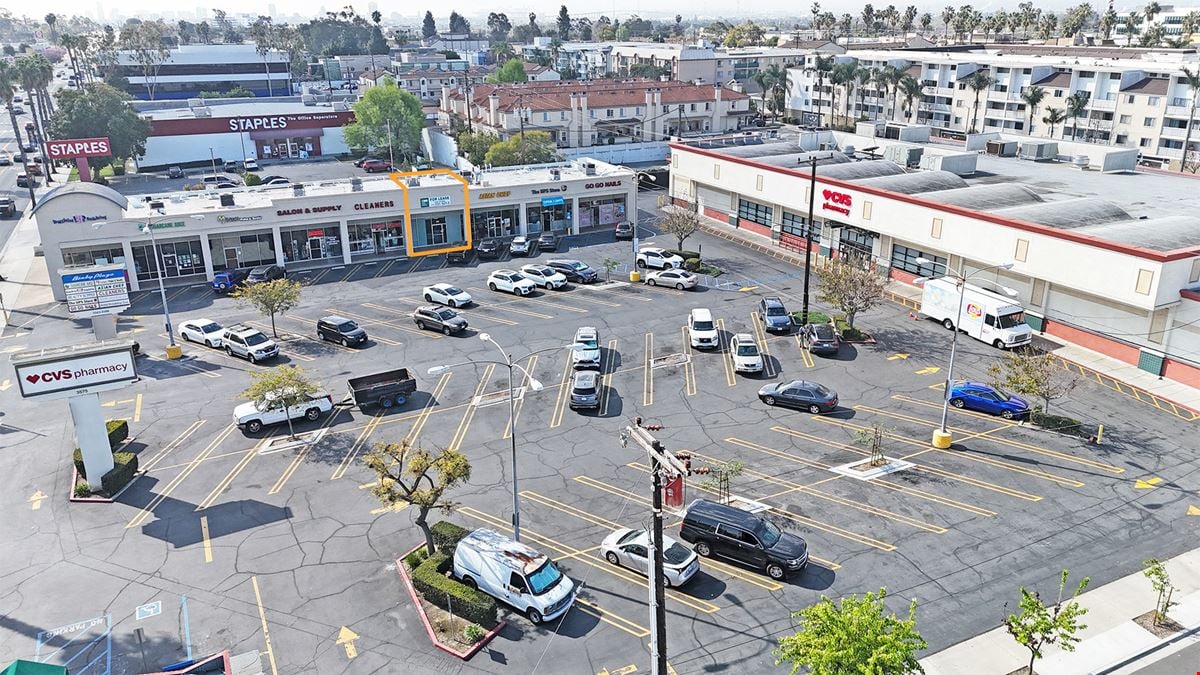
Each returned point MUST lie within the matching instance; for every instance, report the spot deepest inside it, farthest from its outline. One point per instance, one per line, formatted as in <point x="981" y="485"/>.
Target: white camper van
<point x="986" y="316"/>
<point x="513" y="573"/>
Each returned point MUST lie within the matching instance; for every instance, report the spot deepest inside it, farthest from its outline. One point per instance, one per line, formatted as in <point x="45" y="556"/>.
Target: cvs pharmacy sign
<point x="839" y="202"/>
<point x="79" y="147"/>
<point x="80" y="374"/>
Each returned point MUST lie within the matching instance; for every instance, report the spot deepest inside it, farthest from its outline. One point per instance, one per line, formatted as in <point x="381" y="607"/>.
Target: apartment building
<point x="1141" y="102"/>
<point x="703" y="63"/>
<point x="1170" y="16"/>
<point x="583" y="114"/>
<point x="589" y="60"/>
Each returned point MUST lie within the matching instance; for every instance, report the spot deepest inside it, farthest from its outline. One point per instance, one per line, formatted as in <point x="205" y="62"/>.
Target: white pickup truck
<point x="252" y="418"/>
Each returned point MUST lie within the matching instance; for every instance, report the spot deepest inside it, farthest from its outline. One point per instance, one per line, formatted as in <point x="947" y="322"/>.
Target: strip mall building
<point x="332" y="223"/>
<point x="1109" y="261"/>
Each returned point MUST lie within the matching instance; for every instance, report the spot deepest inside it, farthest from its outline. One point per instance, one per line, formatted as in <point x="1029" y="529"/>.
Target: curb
<point x="412" y="592"/>
<point x="1137" y="656"/>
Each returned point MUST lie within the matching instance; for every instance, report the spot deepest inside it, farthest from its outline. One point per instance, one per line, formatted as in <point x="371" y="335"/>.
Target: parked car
<point x="459" y="256"/>
<point x="801" y="394"/>
<point x="375" y="165"/>
<point x="631" y="548"/>
<point x="574" y="270"/>
<point x="8" y="207"/>
<point x="513" y="573"/>
<point x="28" y="146"/>
<point x="24" y="181"/>
<point x="743" y="350"/>
<point x="544" y="276"/>
<point x="719" y="530"/>
<point x="204" y="331"/>
<point x="248" y="343"/>
<point x="585" y="390"/>
<point x="339" y="329"/>
<point x="445" y="294"/>
<point x="5" y="159"/>
<point x="509" y="281"/>
<point x="364" y="159"/>
<point x="18" y="110"/>
<point x="658" y="259"/>
<point x="224" y="282"/>
<point x="253" y="417"/>
<point x="547" y="241"/>
<point x="250" y="164"/>
<point x="441" y="319"/>
<point x="265" y="273"/>
<point x="702" y="330"/>
<point x="268" y="179"/>
<point x="35" y="168"/>
<point x="623" y="230"/>
<point x="522" y="246"/>
<point x="175" y="172"/>
<point x="680" y="279"/>
<point x="774" y="315"/>
<point x="216" y="178"/>
<point x="488" y="249"/>
<point x="986" y="398"/>
<point x="586" y="352"/>
<point x="820" y="338"/>
<point x="226" y="186"/>
<point x="230" y="166"/>
<point x="278" y="180"/>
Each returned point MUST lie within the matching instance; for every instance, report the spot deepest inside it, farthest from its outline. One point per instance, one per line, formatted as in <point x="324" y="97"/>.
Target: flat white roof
<point x="249" y="109"/>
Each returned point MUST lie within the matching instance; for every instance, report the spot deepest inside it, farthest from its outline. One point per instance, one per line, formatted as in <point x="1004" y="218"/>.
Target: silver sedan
<point x="631" y="548"/>
<point x="679" y="279"/>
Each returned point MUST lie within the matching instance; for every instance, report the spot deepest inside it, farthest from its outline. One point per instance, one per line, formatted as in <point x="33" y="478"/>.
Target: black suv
<point x="715" y="529"/>
<point x="774" y="315"/>
<point x="575" y="271"/>
<point x="488" y="249"/>
<point x="264" y="273"/>
<point x="341" y="330"/>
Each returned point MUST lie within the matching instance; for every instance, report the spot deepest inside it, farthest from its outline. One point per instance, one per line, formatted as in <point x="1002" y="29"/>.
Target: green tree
<point x="1028" y="372"/>
<point x="386" y="117"/>
<point x="513" y="70"/>
<point x="564" y="23"/>
<point x="1039" y="626"/>
<point x="97" y="111"/>
<point x="475" y="145"/>
<point x="1077" y="105"/>
<point x="428" y="26"/>
<point x="533" y="147"/>
<point x="459" y="24"/>
<point x="1054" y="117"/>
<point x="412" y="475"/>
<point x="910" y="91"/>
<point x="680" y="224"/>
<point x="262" y="31"/>
<point x="1033" y="97"/>
<point x="145" y="42"/>
<point x="10" y="76"/>
<point x="1192" y="80"/>
<point x="851" y="288"/>
<point x="1160" y="581"/>
<point x="650" y="71"/>
<point x="609" y="265"/>
<point x="270" y="298"/>
<point x="822" y="66"/>
<point x="978" y="82"/>
<point x="855" y="635"/>
<point x="281" y="386"/>
<point x="498" y="27"/>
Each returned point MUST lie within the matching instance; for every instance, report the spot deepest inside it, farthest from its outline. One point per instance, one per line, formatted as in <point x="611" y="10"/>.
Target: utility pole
<point x="661" y="462"/>
<point x="679" y="131"/>
<point x="521" y="117"/>
<point x="812" y="196"/>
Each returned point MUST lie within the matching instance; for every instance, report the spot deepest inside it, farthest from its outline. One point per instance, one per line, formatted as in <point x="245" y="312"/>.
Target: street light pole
<point x="812" y="197"/>
<point x="162" y="289"/>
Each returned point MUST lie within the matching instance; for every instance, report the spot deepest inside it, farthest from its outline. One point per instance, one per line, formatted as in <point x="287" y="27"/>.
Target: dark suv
<point x="715" y="529"/>
<point x="774" y="315"/>
<point x="488" y="249"/>
<point x="339" y="329"/>
<point x="264" y="273"/>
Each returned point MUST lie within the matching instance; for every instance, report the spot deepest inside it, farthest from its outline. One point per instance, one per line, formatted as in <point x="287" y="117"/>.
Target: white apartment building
<point x="590" y="60"/>
<point x="705" y="64"/>
<point x="583" y="114"/>
<point x="1140" y="102"/>
<point x="1170" y="16"/>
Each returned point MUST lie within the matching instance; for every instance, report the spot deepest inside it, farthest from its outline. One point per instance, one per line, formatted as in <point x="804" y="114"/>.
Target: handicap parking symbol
<point x="148" y="610"/>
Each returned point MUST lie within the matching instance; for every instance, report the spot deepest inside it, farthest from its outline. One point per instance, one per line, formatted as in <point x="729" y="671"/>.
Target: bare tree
<point x="681" y="224"/>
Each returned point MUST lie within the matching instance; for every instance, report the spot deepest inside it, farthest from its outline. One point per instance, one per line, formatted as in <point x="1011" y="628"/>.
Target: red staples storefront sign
<point x="78" y="147"/>
<point x="836" y="201"/>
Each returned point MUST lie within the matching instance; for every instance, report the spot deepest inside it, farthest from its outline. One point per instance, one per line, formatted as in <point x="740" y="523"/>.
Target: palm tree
<point x="1054" y="117"/>
<point x="52" y="24"/>
<point x="890" y="76"/>
<point x="1131" y="23"/>
<point x="910" y="89"/>
<point x="9" y="77"/>
<point x="841" y="76"/>
<point x="948" y="15"/>
<point x="28" y="74"/>
<point x="822" y="66"/>
<point x="1033" y="97"/>
<point x="1076" y="104"/>
<point x="1192" y="80"/>
<point x="881" y="79"/>
<point x="864" y="76"/>
<point x="978" y="82"/>
<point x="777" y="78"/>
<point x="1191" y="23"/>
<point x="1152" y="9"/>
<point x="1108" y="21"/>
<point x="764" y="82"/>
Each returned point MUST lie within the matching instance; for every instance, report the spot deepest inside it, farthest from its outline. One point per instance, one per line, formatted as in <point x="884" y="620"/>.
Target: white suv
<point x="544" y="276"/>
<point x="744" y="351"/>
<point x="702" y="330"/>
<point x="248" y="343"/>
<point x="586" y="353"/>
<point x="252" y="418"/>
<point x="658" y="259"/>
<point x="510" y="282"/>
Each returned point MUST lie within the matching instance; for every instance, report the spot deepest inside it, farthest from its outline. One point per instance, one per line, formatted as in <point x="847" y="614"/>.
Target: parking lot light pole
<point x="942" y="438"/>
<point x="534" y="384"/>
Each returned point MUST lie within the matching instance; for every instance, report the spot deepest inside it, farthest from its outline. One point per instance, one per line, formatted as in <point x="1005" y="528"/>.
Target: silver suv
<point x="248" y="343"/>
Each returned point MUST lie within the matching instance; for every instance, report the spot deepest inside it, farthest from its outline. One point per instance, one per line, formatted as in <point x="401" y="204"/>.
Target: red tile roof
<point x="544" y="96"/>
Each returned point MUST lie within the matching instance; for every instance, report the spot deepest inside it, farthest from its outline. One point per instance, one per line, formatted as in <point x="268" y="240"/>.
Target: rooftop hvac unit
<point x="413" y="181"/>
<point x="356" y="185"/>
<point x="195" y="102"/>
<point x="555" y="174"/>
<point x="308" y="99"/>
<point x="589" y="169"/>
<point x="298" y="189"/>
<point x="156" y="204"/>
<point x="341" y="106"/>
<point x="226" y="199"/>
<point x="1080" y="161"/>
<point x="202" y="111"/>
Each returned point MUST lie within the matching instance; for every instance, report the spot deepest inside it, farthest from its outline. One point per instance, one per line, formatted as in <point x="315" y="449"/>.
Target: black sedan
<point x="820" y="338"/>
<point x="441" y="319"/>
<point x="488" y="249"/>
<point x="800" y="394"/>
<point x="575" y="271"/>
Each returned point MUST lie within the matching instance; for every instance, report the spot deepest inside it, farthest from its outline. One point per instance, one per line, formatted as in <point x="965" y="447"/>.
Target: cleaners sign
<point x="59" y="373"/>
<point x="78" y="147"/>
<point x="95" y="291"/>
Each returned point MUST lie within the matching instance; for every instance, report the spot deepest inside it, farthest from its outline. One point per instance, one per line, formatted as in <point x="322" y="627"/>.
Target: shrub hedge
<point x="125" y="465"/>
<point x="446" y="536"/>
<point x="78" y="458"/>
<point x="430" y="580"/>
<point x="686" y="255"/>
<point x="118" y="431"/>
<point x="418" y="556"/>
<point x="691" y="264"/>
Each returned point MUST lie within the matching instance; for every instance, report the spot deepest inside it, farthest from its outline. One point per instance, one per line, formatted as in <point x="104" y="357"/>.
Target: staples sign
<point x="76" y="374"/>
<point x="836" y="201"/>
<point x="78" y="147"/>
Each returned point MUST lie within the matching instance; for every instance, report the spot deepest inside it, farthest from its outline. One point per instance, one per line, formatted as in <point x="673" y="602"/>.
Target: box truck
<point x="986" y="316"/>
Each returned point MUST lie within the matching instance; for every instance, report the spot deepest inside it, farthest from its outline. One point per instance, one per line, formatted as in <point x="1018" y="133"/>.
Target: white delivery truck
<point x="513" y="573"/>
<point x="986" y="316"/>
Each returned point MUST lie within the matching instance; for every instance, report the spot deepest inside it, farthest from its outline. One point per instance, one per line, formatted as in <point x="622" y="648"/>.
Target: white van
<point x="702" y="330"/>
<point x="986" y="316"/>
<point x="514" y="574"/>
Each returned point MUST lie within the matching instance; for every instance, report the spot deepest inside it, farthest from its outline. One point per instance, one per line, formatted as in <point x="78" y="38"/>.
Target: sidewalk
<point x="1170" y="392"/>
<point x="26" y="280"/>
<point x="1110" y="640"/>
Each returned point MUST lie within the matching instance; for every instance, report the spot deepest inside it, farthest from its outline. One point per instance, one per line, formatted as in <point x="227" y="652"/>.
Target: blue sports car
<point x="988" y="399"/>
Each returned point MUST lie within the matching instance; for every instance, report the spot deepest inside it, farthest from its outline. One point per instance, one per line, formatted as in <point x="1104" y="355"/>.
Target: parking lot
<point x="274" y="551"/>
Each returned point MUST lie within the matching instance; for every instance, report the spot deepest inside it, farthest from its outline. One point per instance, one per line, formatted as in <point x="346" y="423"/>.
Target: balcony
<point x="1103" y="104"/>
<point x="1180" y="111"/>
<point x="1173" y="132"/>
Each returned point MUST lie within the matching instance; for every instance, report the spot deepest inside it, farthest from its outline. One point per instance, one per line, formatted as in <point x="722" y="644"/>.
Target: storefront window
<point x="601" y="212"/>
<point x="856" y="244"/>
<point x="102" y="255"/>
<point x="435" y="230"/>
<point x="905" y="258"/>
<point x="438" y="230"/>
<point x="377" y="236"/>
<point x="242" y="250"/>
<point x="754" y="212"/>
<point x="178" y="258"/>
<point x="311" y="242"/>
<point x="546" y="216"/>
<point x="797" y="225"/>
<point x="494" y="222"/>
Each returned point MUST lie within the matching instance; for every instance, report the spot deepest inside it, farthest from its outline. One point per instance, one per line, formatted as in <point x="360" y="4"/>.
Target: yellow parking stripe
<point x="594" y="610"/>
<point x="233" y="474"/>
<point x="760" y="336"/>
<point x="469" y="314"/>
<point x="362" y="439"/>
<point x="178" y="440"/>
<point x="689" y="370"/>
<point x="415" y="432"/>
<point x="726" y="359"/>
<point x="302" y="455"/>
<point x="144" y="515"/>
<point x="461" y="432"/>
<point x="386" y="322"/>
<point x="508" y="427"/>
<point x="606" y="376"/>
<point x="564" y="393"/>
<point x="647" y="372"/>
<point x="383" y="270"/>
